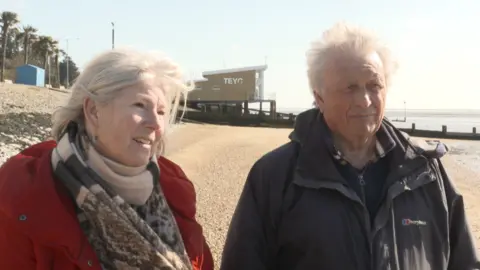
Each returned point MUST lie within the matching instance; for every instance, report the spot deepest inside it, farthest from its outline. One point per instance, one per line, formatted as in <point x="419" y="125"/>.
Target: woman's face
<point x="128" y="129"/>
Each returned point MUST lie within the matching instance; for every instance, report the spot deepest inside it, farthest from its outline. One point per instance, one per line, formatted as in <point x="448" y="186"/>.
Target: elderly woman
<point x="349" y="191"/>
<point x="101" y="195"/>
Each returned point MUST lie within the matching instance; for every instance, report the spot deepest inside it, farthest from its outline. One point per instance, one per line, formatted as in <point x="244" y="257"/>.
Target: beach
<point x="216" y="158"/>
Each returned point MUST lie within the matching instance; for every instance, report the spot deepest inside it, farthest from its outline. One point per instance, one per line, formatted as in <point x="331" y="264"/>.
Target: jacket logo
<point x="408" y="222"/>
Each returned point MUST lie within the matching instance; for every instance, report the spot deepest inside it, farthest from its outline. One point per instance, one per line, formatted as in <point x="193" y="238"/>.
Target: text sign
<point x="233" y="80"/>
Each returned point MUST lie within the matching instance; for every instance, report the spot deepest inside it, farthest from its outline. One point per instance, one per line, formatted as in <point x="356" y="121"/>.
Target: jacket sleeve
<point x="246" y="245"/>
<point x="16" y="251"/>
<point x="462" y="247"/>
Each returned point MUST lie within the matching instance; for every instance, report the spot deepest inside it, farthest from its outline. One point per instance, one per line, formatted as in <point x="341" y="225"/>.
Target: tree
<point x="72" y="71"/>
<point x="28" y="37"/>
<point x="22" y="45"/>
<point x="45" y="47"/>
<point x="8" y="20"/>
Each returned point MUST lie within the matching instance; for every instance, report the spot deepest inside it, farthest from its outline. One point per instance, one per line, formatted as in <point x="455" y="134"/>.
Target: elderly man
<point x="349" y="191"/>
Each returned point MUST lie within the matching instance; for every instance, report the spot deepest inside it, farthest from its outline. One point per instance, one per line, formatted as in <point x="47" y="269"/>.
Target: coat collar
<point x="310" y="133"/>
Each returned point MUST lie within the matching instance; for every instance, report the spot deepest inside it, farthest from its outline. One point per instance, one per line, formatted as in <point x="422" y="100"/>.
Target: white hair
<point x="345" y="38"/>
<point x="114" y="70"/>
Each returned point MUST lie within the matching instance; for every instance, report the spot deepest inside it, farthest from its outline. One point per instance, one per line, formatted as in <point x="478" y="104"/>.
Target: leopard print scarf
<point x="123" y="237"/>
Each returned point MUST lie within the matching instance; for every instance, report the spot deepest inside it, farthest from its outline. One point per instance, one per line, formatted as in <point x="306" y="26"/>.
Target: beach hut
<point x="30" y="75"/>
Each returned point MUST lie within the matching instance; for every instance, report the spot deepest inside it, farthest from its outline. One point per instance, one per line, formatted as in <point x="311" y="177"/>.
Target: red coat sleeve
<point x="181" y="197"/>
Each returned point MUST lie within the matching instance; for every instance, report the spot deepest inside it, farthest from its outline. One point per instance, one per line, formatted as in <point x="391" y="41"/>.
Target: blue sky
<point x="436" y="42"/>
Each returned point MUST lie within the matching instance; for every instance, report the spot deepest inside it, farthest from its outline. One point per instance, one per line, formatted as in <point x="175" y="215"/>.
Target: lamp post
<point x="67" y="83"/>
<point x="113" y="35"/>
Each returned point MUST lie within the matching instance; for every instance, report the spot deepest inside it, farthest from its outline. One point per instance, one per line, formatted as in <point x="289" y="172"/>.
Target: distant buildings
<point x="235" y="84"/>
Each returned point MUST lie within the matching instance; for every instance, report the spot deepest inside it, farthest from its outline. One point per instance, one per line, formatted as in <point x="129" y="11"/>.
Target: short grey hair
<point x="114" y="70"/>
<point x="347" y="38"/>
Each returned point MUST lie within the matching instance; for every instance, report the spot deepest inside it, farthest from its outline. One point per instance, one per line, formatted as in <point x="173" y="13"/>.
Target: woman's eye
<point x="161" y="112"/>
<point x="139" y="105"/>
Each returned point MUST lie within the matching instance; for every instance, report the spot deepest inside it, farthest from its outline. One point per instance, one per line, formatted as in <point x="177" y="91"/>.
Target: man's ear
<point x="90" y="111"/>
<point x="318" y="99"/>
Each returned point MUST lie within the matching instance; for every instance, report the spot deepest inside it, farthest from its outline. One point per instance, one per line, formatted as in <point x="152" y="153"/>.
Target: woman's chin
<point x="137" y="159"/>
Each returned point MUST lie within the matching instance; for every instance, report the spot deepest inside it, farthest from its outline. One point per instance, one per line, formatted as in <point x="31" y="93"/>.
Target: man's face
<point x="353" y="95"/>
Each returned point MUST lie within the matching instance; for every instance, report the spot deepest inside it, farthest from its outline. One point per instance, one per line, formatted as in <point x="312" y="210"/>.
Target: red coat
<point x="39" y="227"/>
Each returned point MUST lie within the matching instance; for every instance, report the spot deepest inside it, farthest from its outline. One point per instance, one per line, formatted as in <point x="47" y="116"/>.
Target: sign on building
<point x="233" y="80"/>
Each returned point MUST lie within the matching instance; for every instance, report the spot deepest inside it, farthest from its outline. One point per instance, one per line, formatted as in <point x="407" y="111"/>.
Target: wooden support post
<point x="273" y="109"/>
<point x="238" y="108"/>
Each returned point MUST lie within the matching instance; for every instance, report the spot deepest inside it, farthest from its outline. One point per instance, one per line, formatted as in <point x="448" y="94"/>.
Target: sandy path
<point x="218" y="158"/>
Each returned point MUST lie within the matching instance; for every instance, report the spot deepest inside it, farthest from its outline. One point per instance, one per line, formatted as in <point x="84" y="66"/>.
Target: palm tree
<point x="44" y="47"/>
<point x="8" y="20"/>
<point x="13" y="47"/>
<point x="28" y="36"/>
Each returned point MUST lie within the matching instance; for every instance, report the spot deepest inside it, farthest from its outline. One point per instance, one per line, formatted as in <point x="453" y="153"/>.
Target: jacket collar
<point x="316" y="147"/>
<point x="383" y="145"/>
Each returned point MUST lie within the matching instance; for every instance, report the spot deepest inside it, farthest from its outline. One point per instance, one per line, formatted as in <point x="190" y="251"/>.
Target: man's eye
<point x="376" y="87"/>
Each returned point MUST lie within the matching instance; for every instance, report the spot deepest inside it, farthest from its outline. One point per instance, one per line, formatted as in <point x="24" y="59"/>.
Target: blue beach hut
<point x="30" y="75"/>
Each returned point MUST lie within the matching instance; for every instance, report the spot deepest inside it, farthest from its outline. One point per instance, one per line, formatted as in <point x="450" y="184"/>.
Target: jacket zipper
<point x="362" y="183"/>
<point x="362" y="186"/>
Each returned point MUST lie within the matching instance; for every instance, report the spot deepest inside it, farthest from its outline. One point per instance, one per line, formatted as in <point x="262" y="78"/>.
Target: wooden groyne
<point x="238" y="113"/>
<point x="444" y="133"/>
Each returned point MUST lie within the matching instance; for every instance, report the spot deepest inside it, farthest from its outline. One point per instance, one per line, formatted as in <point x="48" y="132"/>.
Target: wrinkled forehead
<point x="348" y="67"/>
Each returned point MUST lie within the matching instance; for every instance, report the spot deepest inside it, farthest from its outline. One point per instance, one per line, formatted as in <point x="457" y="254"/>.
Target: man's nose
<point x="363" y="98"/>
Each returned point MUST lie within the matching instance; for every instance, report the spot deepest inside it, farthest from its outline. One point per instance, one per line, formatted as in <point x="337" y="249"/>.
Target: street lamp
<point x="113" y="35"/>
<point x="67" y="83"/>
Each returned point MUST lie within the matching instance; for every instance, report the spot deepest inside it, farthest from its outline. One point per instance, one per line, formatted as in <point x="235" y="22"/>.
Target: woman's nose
<point x="153" y="121"/>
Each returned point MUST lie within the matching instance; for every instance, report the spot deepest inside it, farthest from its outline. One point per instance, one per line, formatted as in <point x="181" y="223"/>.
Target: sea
<point x="455" y="120"/>
<point x="466" y="153"/>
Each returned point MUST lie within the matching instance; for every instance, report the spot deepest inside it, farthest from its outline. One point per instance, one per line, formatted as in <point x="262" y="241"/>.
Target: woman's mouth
<point x="143" y="141"/>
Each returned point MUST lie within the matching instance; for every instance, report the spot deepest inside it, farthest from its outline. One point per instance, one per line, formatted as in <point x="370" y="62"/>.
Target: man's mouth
<point x="363" y="115"/>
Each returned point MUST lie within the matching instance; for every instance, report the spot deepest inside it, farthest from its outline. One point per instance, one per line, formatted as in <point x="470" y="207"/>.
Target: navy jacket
<point x="297" y="212"/>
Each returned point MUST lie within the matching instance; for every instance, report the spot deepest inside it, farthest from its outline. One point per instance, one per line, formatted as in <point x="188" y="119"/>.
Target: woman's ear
<point x="318" y="100"/>
<point x="90" y="111"/>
